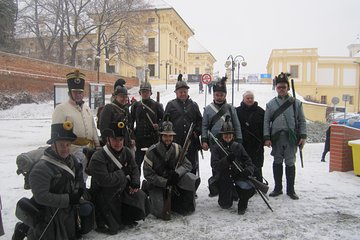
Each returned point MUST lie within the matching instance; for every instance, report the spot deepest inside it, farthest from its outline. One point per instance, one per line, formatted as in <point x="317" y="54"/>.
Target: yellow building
<point x="169" y="48"/>
<point x="200" y="60"/>
<point x="321" y="79"/>
<point x="159" y="47"/>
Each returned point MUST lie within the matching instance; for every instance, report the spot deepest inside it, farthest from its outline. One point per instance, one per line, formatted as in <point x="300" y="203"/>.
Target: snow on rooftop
<point x="158" y="4"/>
<point x="195" y="46"/>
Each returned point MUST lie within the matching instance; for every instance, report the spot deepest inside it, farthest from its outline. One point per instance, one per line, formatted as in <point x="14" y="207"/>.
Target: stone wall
<point x="18" y="74"/>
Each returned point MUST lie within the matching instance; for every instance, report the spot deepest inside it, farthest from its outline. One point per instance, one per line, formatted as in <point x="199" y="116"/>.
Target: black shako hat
<point x="282" y="78"/>
<point x="76" y="80"/>
<point x="220" y="86"/>
<point x="62" y="131"/>
<point x="116" y="129"/>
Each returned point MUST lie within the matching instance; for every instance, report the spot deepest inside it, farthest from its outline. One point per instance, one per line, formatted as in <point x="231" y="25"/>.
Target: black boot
<point x="113" y="226"/>
<point x="244" y="196"/>
<point x="20" y="232"/>
<point x="278" y="172"/>
<point x="290" y="181"/>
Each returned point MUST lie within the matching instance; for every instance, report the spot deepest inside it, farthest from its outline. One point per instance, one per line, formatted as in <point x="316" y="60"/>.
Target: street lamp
<point x="167" y="63"/>
<point x="97" y="62"/>
<point x="146" y="74"/>
<point x="231" y="61"/>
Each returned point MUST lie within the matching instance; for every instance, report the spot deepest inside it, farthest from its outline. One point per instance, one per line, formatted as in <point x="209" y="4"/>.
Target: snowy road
<point x="329" y="205"/>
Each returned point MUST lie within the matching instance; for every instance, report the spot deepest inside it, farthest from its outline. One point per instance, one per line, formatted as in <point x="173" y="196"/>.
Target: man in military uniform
<point x="284" y="131"/>
<point x="146" y="115"/>
<point x="118" y="111"/>
<point x="75" y="111"/>
<point x="183" y="111"/>
<point x="162" y="170"/>
<point x="115" y="184"/>
<point x="213" y="119"/>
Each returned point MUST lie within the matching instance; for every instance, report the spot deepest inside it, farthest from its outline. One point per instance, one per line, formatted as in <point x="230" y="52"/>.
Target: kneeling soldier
<point x="115" y="184"/>
<point x="164" y="171"/>
<point x="229" y="176"/>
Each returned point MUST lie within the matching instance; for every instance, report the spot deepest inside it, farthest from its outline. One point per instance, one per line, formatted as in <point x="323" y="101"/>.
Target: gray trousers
<point x="282" y="150"/>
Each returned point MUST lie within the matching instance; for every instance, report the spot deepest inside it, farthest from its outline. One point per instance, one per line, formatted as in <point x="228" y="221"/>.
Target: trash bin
<point x="355" y="145"/>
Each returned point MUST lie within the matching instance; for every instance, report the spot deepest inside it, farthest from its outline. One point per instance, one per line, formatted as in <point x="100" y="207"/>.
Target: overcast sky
<point x="253" y="28"/>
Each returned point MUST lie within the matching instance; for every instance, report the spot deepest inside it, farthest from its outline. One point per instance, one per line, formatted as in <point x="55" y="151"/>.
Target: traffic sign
<point x="206" y="78"/>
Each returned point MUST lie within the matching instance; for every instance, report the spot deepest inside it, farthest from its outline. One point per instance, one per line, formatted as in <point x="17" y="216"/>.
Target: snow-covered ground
<point x="329" y="205"/>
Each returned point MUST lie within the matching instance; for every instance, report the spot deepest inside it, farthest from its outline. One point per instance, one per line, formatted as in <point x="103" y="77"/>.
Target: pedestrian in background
<point x="327" y="144"/>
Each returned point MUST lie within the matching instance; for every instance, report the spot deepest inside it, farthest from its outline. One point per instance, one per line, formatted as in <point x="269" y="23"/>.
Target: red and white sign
<point x="206" y="78"/>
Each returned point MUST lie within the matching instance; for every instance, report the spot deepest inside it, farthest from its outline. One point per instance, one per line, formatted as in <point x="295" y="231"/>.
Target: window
<point x="152" y="70"/>
<point x="175" y="51"/>
<point x="351" y="100"/>
<point x="151" y="20"/>
<point x="197" y="58"/>
<point x="180" y="53"/>
<point x="323" y="100"/>
<point x="294" y="70"/>
<point x="197" y="71"/>
<point x="175" y="71"/>
<point x="111" y="69"/>
<point x="170" y="47"/>
<point x="170" y="69"/>
<point x="151" y="44"/>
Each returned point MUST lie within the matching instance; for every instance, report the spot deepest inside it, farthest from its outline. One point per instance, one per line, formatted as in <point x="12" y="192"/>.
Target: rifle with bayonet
<point x="296" y="121"/>
<point x="166" y="214"/>
<point x="260" y="187"/>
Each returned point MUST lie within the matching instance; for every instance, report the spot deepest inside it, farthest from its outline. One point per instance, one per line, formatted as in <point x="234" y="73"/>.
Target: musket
<point x="260" y="187"/>
<point x="166" y="214"/>
<point x="47" y="225"/>
<point x="296" y="123"/>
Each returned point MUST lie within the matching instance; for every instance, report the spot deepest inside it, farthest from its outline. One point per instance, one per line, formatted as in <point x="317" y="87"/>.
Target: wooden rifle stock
<point x="260" y="187"/>
<point x="166" y="213"/>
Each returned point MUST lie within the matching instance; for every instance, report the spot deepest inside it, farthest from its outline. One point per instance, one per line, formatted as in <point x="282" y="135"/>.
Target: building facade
<point x="320" y="79"/>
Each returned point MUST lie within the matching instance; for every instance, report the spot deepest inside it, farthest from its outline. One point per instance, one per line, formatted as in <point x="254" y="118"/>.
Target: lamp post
<point x="146" y="74"/>
<point x="167" y="63"/>
<point x="97" y="62"/>
<point x="231" y="61"/>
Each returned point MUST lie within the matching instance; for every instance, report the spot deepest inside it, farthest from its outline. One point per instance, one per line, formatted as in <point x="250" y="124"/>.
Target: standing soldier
<point x="183" y="111"/>
<point x="147" y="115"/>
<point x="213" y="119"/>
<point x="117" y="111"/>
<point x="251" y="118"/>
<point x="284" y="131"/>
<point x="162" y="170"/>
<point x="75" y="111"/>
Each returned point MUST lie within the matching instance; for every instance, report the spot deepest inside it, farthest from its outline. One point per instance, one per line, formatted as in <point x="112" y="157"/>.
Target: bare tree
<point x="61" y="26"/>
<point x="118" y="27"/>
<point x="8" y="12"/>
<point x="40" y="19"/>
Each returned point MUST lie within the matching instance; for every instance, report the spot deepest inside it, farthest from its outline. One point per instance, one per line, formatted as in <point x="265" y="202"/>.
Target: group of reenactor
<point x="164" y="145"/>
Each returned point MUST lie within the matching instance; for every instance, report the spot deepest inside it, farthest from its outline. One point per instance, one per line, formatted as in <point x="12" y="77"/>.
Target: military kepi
<point x="76" y="80"/>
<point x="62" y="131"/>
